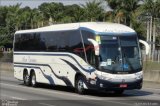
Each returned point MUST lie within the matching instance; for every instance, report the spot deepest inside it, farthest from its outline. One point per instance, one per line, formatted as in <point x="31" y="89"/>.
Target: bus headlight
<point x="93" y="82"/>
<point x="139" y="75"/>
<point x="103" y="77"/>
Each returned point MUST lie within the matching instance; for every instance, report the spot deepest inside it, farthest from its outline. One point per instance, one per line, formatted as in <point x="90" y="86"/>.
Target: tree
<point x="52" y="11"/>
<point x="3" y="15"/>
<point x="10" y="23"/>
<point x="93" y="11"/>
<point x="151" y="8"/>
<point x="37" y="18"/>
<point x="125" y="11"/>
<point x="75" y="12"/>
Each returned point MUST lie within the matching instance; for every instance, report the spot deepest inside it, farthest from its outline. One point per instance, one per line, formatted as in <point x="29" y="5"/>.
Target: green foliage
<point x="149" y="65"/>
<point x="124" y="11"/>
<point x="129" y="12"/>
<point x="13" y="18"/>
<point x="93" y="11"/>
<point x="152" y="7"/>
<point x="1" y="53"/>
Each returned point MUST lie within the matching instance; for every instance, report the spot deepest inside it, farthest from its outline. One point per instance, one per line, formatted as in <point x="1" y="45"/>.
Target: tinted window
<point x="75" y="44"/>
<point x="128" y="40"/>
<point x="17" y="42"/>
<point x="29" y="42"/>
<point x="89" y="48"/>
<point x="66" y="41"/>
<point x="50" y="39"/>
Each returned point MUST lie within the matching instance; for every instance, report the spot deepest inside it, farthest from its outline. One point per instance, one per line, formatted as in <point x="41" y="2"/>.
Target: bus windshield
<point x="119" y="54"/>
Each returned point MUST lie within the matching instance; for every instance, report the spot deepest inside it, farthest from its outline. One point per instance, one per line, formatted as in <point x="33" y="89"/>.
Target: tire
<point x="33" y="80"/>
<point x="26" y="78"/>
<point x="119" y="92"/>
<point x="79" y="85"/>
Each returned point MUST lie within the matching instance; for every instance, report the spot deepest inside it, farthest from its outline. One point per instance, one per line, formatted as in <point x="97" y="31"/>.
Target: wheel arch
<point x="25" y="71"/>
<point x="32" y="71"/>
<point x="78" y="74"/>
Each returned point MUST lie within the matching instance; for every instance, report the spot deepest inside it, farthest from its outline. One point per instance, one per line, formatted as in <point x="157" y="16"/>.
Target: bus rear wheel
<point x="79" y="85"/>
<point x="26" y="78"/>
<point x="33" y="80"/>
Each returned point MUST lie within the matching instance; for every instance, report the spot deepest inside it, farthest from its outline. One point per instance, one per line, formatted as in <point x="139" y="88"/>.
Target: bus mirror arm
<point x="96" y="46"/>
<point x="147" y="47"/>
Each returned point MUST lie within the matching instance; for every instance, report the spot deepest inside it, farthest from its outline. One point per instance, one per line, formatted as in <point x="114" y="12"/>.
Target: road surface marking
<point x="64" y="93"/>
<point x="45" y="104"/>
<point x="55" y="92"/>
<point x="91" y="98"/>
<point x="152" y="89"/>
<point x="18" y="98"/>
<point x="13" y="97"/>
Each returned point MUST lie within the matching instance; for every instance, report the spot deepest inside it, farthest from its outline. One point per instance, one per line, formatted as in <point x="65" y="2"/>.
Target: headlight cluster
<point x="103" y="77"/>
<point x="139" y="75"/>
<point x="93" y="82"/>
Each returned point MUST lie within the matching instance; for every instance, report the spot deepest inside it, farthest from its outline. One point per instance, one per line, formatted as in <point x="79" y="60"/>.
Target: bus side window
<point x="50" y="41"/>
<point x="89" y="48"/>
<point x="75" y="44"/>
<point x="17" y="45"/>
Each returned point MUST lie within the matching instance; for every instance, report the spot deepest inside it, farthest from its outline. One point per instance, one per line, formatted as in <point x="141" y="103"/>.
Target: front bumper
<point x="108" y="85"/>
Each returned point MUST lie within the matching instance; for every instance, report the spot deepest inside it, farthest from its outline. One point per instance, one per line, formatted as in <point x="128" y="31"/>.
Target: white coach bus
<point x="89" y="55"/>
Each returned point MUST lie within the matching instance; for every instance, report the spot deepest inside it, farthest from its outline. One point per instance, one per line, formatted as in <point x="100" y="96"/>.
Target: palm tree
<point x="3" y="15"/>
<point x="125" y="11"/>
<point x="45" y="10"/>
<point x="52" y="11"/>
<point x="115" y="14"/>
<point x="93" y="10"/>
<point x="26" y="18"/>
<point x="75" y="12"/>
<point x="152" y="9"/>
<point x="12" y="18"/>
<point x="9" y="23"/>
<point x="37" y="18"/>
<point x="57" y="12"/>
<point x="79" y="14"/>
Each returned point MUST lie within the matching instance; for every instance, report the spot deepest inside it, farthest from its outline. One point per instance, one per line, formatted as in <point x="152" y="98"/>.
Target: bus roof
<point x="95" y="27"/>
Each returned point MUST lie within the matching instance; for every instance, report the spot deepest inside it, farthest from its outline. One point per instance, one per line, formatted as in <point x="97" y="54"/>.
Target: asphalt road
<point x="14" y="93"/>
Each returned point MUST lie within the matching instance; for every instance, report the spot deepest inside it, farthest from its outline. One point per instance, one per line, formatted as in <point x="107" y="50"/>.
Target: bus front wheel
<point x="79" y="85"/>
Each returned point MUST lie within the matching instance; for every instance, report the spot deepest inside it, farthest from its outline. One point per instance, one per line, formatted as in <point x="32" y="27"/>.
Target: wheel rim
<point x="33" y="80"/>
<point x="26" y="78"/>
<point x="80" y="85"/>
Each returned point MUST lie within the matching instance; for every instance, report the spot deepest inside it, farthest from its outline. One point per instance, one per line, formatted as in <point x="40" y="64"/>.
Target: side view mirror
<point x="147" y="47"/>
<point x="96" y="46"/>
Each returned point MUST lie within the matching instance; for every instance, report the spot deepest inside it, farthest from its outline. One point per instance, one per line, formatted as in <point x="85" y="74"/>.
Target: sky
<point x="36" y="3"/>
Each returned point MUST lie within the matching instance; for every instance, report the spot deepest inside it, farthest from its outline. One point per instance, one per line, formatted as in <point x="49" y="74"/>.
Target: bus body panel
<point x="51" y="71"/>
<point x="57" y="53"/>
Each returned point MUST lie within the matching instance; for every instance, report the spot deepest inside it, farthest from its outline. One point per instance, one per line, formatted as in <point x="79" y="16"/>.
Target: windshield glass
<point x="130" y="53"/>
<point x="119" y="54"/>
<point x="110" y="54"/>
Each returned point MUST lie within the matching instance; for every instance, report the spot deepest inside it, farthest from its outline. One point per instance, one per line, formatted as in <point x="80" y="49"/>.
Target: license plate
<point x="123" y="85"/>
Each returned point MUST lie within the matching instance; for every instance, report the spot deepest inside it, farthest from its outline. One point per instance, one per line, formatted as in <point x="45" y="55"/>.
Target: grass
<point x="149" y="65"/>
